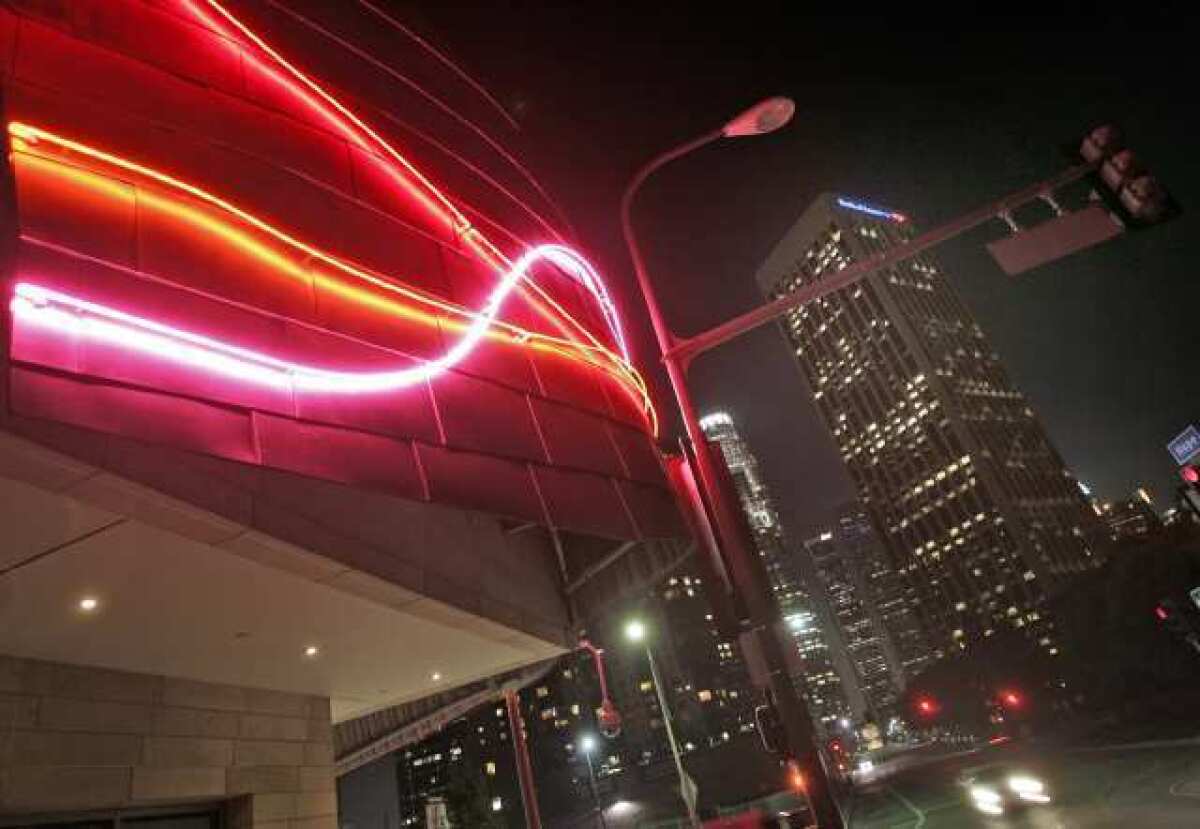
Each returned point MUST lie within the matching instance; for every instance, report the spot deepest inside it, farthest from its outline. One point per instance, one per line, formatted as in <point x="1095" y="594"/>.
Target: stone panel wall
<point x="81" y="738"/>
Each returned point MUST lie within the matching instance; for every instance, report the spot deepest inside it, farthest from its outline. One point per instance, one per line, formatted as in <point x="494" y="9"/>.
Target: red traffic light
<point x="927" y="706"/>
<point x="1011" y="698"/>
<point x="1162" y="613"/>
<point x="1190" y="474"/>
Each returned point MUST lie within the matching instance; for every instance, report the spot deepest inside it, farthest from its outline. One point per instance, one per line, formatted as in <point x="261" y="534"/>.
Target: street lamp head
<point x="635" y="631"/>
<point x="588" y="743"/>
<point x="765" y="116"/>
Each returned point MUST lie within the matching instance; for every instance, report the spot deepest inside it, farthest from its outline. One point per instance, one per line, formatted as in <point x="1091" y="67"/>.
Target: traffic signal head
<point x="1170" y="614"/>
<point x="1011" y="699"/>
<point x="1101" y="143"/>
<point x="1123" y="182"/>
<point x="927" y="706"/>
<point x="1190" y="474"/>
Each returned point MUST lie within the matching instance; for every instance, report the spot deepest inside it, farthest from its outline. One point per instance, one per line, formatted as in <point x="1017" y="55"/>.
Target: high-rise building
<point x="708" y="686"/>
<point x="1132" y="518"/>
<point x="888" y="598"/>
<point x="818" y="679"/>
<point x="979" y="514"/>
<point x="472" y="758"/>
<point x="881" y="646"/>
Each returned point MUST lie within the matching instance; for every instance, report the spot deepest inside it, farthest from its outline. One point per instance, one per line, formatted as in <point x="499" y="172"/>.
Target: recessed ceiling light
<point x="89" y="604"/>
<point x="435" y="676"/>
<point x="312" y="651"/>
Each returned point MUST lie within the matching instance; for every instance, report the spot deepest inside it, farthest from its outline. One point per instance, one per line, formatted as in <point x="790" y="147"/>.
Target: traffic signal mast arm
<point x="686" y="349"/>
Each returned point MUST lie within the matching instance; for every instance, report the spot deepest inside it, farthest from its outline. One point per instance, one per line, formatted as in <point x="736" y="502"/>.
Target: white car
<point x="1001" y="787"/>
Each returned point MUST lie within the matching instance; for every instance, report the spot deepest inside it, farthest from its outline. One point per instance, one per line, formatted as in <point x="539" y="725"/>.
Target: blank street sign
<point x="1055" y="239"/>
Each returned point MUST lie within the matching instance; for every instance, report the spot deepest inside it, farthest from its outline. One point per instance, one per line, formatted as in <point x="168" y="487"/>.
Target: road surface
<point x="1147" y="786"/>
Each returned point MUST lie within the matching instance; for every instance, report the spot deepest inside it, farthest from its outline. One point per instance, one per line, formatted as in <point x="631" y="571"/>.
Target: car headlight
<point x="987" y="800"/>
<point x="1028" y="788"/>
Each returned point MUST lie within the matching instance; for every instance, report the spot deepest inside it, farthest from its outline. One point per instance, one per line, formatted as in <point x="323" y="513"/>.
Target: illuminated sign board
<point x="870" y="210"/>
<point x="1185" y="445"/>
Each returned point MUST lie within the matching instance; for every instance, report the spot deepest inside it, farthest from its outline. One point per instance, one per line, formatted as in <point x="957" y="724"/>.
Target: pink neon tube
<point x="214" y="15"/>
<point x="56" y="311"/>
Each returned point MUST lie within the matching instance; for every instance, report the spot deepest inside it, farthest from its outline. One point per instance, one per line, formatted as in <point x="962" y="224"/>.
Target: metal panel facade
<point x="224" y="221"/>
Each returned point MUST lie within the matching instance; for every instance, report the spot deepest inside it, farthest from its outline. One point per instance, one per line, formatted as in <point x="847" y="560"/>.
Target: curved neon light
<point x="29" y="137"/>
<point x="49" y="309"/>
<point x="217" y="17"/>
<point x="28" y="141"/>
<point x="78" y="317"/>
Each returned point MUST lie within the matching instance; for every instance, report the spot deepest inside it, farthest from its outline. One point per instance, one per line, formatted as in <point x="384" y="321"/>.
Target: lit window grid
<point x="864" y="381"/>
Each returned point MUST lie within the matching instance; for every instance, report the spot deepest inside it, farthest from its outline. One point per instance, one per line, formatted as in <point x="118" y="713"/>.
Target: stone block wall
<point x="75" y="738"/>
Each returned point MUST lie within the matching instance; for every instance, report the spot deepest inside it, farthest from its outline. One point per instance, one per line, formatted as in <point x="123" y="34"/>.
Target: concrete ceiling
<point x="184" y="593"/>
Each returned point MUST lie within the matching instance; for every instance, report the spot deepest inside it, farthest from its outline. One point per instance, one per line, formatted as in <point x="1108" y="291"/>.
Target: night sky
<point x="930" y="123"/>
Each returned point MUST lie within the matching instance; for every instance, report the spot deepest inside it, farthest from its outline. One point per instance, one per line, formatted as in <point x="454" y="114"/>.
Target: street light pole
<point x="588" y="744"/>
<point x="636" y="632"/>
<point x="749" y="579"/>
<point x="666" y="712"/>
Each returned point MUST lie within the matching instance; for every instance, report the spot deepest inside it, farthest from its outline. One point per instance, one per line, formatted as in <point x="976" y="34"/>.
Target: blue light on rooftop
<point x="878" y="212"/>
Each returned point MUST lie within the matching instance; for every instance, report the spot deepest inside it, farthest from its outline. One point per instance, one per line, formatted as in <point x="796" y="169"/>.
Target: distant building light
<point x="715" y="419"/>
<point x="826" y="536"/>
<point x="878" y="212"/>
<point x="497" y="804"/>
<point x="1085" y="489"/>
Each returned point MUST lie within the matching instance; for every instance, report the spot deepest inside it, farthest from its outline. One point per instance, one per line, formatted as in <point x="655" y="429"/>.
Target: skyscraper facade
<point x="888" y="599"/>
<point x="881" y="642"/>
<point x="979" y="514"/>
<point x="818" y="679"/>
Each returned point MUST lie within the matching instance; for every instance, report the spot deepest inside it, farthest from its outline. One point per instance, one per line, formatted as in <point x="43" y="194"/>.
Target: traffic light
<point x="1011" y="699"/>
<point x="1189" y="491"/>
<point x="1169" y="613"/>
<point x="927" y="706"/>
<point x="1190" y="474"/>
<point x="1123" y="182"/>
<point x="1176" y="620"/>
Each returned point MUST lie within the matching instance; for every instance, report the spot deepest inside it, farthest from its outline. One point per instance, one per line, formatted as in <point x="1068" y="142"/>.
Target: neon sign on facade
<point x="64" y="314"/>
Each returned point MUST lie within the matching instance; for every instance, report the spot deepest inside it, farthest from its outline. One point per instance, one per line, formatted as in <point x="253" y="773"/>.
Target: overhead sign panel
<point x="1185" y="445"/>
<point x="1054" y="239"/>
